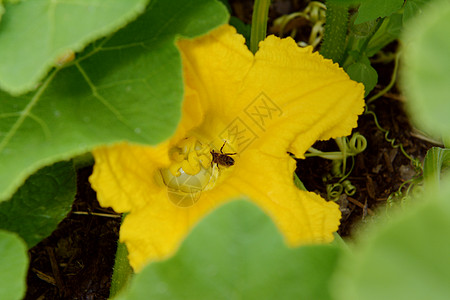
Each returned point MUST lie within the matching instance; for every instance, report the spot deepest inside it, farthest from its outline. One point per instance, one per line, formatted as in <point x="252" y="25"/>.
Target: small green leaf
<point x="405" y="259"/>
<point x="363" y="72"/>
<point x="41" y="203"/>
<point x="13" y="266"/>
<point x="372" y="9"/>
<point x="48" y="29"/>
<point x="127" y="87"/>
<point x="426" y="66"/>
<point x="237" y="253"/>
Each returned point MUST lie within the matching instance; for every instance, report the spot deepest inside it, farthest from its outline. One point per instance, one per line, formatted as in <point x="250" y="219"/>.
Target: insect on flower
<point x="222" y="159"/>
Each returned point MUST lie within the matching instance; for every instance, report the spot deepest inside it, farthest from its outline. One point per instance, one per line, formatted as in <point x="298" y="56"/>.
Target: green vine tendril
<point x="348" y="148"/>
<point x="414" y="162"/>
<point x="391" y="83"/>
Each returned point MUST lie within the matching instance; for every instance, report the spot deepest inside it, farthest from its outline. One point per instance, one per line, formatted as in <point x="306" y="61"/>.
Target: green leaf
<point x="406" y="259"/>
<point x="13" y="266"/>
<point x="2" y="9"/>
<point x="389" y="31"/>
<point x="344" y="2"/>
<point x="362" y="71"/>
<point x="237" y="253"/>
<point x="372" y="9"/>
<point x="413" y="8"/>
<point x="435" y="161"/>
<point x="48" y="29"/>
<point x="127" y="87"/>
<point x="41" y="203"/>
<point x="426" y="66"/>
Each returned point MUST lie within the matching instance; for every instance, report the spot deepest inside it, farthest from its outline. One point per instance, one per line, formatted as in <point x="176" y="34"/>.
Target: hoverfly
<point x="222" y="159"/>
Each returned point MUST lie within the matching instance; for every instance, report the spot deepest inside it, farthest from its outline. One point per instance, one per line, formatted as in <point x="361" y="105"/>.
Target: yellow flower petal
<point x="214" y="66"/>
<point x="302" y="217"/>
<point x="124" y="175"/>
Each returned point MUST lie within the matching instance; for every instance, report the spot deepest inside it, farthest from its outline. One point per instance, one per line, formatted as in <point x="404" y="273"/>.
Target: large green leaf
<point x="406" y="259"/>
<point x="125" y="87"/>
<point x="425" y="71"/>
<point x="41" y="203"/>
<point x="237" y="253"/>
<point x="34" y="33"/>
<point x="13" y="266"/>
<point x="372" y="9"/>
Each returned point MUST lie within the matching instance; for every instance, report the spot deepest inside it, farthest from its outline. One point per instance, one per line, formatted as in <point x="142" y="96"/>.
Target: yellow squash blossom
<point x="243" y="115"/>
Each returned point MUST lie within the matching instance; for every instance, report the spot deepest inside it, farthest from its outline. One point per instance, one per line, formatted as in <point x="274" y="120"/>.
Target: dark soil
<point x="76" y="261"/>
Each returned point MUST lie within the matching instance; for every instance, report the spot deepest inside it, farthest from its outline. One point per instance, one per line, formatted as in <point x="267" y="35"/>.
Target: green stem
<point x="298" y="183"/>
<point x="122" y="270"/>
<point x="391" y="83"/>
<point x="259" y="23"/>
<point x="333" y="46"/>
<point x="359" y="45"/>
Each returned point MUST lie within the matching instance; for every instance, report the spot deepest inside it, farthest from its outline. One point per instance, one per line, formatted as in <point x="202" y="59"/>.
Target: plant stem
<point x="259" y="23"/>
<point x="391" y="83"/>
<point x="333" y="46"/>
<point x="122" y="270"/>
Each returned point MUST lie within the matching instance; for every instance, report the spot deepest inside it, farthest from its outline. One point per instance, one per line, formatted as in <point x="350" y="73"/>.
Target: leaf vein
<point x="26" y="112"/>
<point x="99" y="97"/>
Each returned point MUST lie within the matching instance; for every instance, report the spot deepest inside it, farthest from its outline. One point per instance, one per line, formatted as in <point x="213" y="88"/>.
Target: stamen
<point x="190" y="173"/>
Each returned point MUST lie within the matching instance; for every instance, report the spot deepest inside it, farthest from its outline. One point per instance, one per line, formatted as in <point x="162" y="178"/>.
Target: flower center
<point x="192" y="171"/>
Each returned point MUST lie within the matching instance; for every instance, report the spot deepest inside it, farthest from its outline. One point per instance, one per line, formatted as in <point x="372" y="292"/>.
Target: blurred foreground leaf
<point x="407" y="259"/>
<point x="2" y="9"/>
<point x="237" y="253"/>
<point x="13" y="266"/>
<point x="413" y="8"/>
<point x="426" y="68"/>
<point x="41" y="203"/>
<point x="127" y="87"/>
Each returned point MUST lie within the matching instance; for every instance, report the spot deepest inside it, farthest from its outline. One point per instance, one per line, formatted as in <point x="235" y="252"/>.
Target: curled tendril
<point x="315" y="14"/>
<point x="399" y="195"/>
<point x="414" y="161"/>
<point x="334" y="191"/>
<point x="348" y="148"/>
<point x="349" y="188"/>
